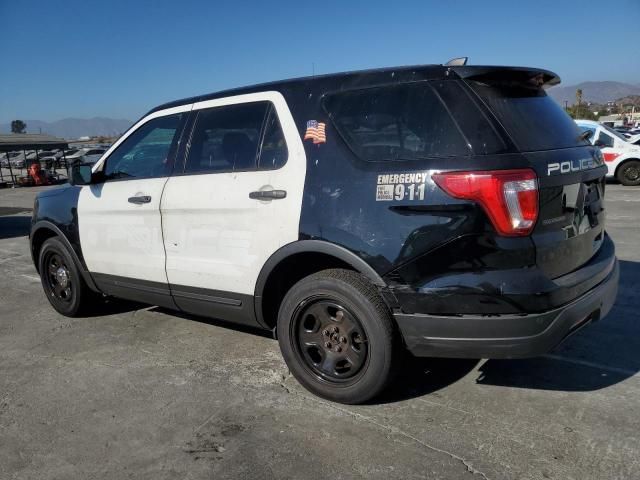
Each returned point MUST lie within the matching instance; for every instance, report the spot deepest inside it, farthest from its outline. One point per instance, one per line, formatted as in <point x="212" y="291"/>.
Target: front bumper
<point x="506" y="335"/>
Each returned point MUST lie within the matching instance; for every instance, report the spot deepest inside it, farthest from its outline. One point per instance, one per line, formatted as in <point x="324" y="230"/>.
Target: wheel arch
<point x="41" y="232"/>
<point x="296" y="261"/>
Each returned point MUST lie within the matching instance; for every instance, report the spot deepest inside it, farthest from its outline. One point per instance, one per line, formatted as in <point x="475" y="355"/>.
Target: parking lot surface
<point x="145" y="393"/>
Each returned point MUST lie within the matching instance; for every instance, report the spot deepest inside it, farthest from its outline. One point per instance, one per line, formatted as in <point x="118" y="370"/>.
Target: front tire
<point x="629" y="173"/>
<point x="62" y="282"/>
<point x="338" y="337"/>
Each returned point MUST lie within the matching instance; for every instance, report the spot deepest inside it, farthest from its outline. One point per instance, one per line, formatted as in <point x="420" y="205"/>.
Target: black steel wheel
<point x="629" y="173"/>
<point x="338" y="337"/>
<point x="58" y="277"/>
<point x="329" y="340"/>
<point x="62" y="282"/>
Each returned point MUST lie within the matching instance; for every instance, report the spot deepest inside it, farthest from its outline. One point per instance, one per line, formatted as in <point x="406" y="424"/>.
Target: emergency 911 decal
<point x="401" y="186"/>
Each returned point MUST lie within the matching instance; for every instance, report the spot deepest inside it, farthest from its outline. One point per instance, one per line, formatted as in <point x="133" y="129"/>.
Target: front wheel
<point x="62" y="282"/>
<point x="337" y="336"/>
<point x="629" y="173"/>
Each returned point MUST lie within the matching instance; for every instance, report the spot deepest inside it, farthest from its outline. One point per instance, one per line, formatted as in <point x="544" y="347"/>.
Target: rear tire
<point x="629" y="173"/>
<point x="62" y="282"/>
<point x="338" y="337"/>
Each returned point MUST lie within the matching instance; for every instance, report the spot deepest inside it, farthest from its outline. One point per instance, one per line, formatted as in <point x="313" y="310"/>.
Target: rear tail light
<point x="610" y="156"/>
<point x="509" y="197"/>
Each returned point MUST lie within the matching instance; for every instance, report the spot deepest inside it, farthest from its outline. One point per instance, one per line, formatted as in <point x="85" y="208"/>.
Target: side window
<point x="402" y="122"/>
<point x="273" y="153"/>
<point x="226" y="138"/>
<point x="145" y="153"/>
<point x="604" y="140"/>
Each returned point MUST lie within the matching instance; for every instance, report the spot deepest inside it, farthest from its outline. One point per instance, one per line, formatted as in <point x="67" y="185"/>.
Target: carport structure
<point x="28" y="141"/>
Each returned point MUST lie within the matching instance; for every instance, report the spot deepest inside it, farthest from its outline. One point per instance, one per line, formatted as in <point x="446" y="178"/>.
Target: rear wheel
<point x="629" y="173"/>
<point x="337" y="336"/>
<point x="62" y="282"/>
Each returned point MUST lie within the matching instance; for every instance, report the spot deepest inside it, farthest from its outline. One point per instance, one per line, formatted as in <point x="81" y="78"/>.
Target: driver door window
<point x="146" y="152"/>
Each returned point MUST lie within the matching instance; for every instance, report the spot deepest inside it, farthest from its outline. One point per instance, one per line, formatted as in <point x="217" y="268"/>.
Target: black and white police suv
<point x="447" y="210"/>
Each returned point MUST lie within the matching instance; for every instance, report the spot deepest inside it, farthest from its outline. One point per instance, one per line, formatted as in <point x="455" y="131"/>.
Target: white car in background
<point x="84" y="155"/>
<point x="93" y="155"/>
<point x="621" y="156"/>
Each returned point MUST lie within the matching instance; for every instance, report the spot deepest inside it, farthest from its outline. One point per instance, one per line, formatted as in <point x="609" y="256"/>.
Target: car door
<point x="237" y="201"/>
<point x="119" y="214"/>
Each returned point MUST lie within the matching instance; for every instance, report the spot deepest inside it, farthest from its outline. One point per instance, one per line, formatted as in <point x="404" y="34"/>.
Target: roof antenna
<point x="457" y="62"/>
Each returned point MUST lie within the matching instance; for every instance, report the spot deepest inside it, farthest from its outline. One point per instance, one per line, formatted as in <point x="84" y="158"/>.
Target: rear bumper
<point x="506" y="335"/>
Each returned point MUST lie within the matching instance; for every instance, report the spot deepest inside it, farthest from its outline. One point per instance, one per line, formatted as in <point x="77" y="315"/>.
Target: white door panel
<point x="119" y="237"/>
<point x="119" y="219"/>
<point x="218" y="238"/>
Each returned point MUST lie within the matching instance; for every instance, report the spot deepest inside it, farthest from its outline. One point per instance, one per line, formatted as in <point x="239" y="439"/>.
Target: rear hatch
<point x="570" y="226"/>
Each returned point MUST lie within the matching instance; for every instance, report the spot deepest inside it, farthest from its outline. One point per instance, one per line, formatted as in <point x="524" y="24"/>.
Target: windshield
<point x="532" y="119"/>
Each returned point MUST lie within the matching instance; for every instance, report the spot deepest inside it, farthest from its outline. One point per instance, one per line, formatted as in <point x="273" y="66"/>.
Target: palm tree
<point x="579" y="100"/>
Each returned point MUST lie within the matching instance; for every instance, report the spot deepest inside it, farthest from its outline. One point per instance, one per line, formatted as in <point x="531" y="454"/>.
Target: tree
<point x="582" y="113"/>
<point x="18" y="126"/>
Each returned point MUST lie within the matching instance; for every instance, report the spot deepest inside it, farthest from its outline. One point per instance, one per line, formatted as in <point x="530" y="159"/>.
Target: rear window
<point x="400" y="122"/>
<point x="533" y="120"/>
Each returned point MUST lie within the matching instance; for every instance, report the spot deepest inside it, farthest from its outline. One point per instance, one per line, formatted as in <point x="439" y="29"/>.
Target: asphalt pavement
<point x="142" y="392"/>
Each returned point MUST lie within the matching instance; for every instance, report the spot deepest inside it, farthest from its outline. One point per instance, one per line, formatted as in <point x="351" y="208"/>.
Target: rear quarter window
<point x="399" y="122"/>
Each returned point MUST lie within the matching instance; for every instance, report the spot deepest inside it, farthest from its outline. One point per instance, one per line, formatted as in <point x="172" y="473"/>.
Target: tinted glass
<point x="532" y="119"/>
<point x="226" y="138"/>
<point x="273" y="153"/>
<point x="605" y="140"/>
<point x="145" y="153"/>
<point x="478" y="130"/>
<point x="402" y="122"/>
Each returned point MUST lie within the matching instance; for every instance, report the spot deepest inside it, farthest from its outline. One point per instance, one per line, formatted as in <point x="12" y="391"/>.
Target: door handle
<point x="268" y="194"/>
<point x="140" y="200"/>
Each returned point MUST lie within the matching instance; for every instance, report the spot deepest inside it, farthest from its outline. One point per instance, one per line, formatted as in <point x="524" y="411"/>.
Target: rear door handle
<point x="140" y="200"/>
<point x="268" y="194"/>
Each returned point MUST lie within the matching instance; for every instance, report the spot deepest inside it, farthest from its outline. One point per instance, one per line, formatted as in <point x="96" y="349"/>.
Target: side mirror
<point x="80" y="174"/>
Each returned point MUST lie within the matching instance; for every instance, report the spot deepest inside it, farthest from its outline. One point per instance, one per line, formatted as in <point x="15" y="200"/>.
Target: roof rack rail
<point x="457" y="62"/>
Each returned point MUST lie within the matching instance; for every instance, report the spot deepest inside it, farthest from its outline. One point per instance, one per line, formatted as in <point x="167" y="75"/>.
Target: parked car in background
<point x="85" y="155"/>
<point x="50" y="158"/>
<point x="92" y="157"/>
<point x="19" y="160"/>
<point x="621" y="156"/>
<point x="5" y="158"/>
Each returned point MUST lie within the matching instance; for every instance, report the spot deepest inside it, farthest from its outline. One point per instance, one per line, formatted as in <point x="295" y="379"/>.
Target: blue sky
<point x="119" y="58"/>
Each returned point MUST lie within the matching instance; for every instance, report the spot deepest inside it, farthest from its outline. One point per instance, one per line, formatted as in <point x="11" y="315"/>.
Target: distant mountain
<point x="596" y="92"/>
<point x="73" y="128"/>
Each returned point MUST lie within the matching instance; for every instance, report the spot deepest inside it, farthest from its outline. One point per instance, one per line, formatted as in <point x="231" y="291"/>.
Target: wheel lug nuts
<point x="335" y="330"/>
<point x="343" y="339"/>
<point x="338" y="349"/>
<point x="327" y="344"/>
<point x="325" y="333"/>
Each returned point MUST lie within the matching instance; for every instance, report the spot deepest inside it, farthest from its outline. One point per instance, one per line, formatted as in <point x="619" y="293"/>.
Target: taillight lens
<point x="509" y="197"/>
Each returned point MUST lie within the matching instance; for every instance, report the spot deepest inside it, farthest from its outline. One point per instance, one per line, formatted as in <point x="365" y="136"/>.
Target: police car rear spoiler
<point x="534" y="77"/>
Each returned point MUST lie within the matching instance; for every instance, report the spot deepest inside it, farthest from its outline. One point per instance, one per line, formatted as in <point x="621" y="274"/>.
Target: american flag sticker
<point x="316" y="132"/>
